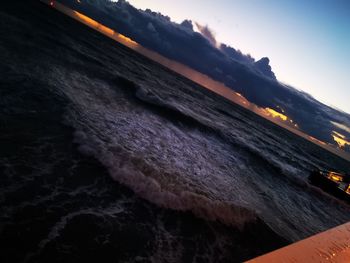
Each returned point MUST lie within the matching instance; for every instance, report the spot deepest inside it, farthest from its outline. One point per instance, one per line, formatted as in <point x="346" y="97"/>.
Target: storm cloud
<point x="207" y="33"/>
<point x="199" y="50"/>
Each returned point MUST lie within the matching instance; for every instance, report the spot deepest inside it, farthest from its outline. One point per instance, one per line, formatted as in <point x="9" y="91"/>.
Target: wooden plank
<point x="330" y="246"/>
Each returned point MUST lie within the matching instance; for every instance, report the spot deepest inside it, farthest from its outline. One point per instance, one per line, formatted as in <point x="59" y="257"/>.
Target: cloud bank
<point x="207" y="33"/>
<point x="201" y="51"/>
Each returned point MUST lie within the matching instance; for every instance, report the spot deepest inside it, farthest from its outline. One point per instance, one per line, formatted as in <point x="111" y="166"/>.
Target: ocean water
<point x="106" y="155"/>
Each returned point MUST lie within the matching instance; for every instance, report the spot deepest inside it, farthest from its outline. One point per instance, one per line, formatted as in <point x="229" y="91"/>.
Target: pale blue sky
<point x="307" y="41"/>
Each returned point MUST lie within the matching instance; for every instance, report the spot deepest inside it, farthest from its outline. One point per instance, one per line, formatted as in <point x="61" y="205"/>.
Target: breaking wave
<point x="177" y="150"/>
<point x="139" y="177"/>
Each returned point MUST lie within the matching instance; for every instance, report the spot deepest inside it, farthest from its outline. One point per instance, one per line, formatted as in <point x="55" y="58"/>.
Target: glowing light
<point x="86" y="19"/>
<point x="335" y="177"/>
<point x="126" y="39"/>
<point x="340" y="139"/>
<point x="106" y="30"/>
<point x="278" y="117"/>
<point x="276" y="114"/>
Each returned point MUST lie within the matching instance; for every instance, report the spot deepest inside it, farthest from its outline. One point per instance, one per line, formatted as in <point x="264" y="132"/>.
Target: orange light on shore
<point x="276" y="114"/>
<point x="106" y="30"/>
<point x="86" y="19"/>
<point x="340" y="139"/>
<point x="279" y="117"/>
<point x="125" y="40"/>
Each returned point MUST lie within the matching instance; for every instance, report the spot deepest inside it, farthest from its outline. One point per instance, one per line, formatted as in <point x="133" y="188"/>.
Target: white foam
<point x="188" y="169"/>
<point x="123" y="170"/>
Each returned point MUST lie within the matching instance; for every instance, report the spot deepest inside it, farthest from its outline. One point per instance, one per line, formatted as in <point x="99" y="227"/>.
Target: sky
<point x="307" y="41"/>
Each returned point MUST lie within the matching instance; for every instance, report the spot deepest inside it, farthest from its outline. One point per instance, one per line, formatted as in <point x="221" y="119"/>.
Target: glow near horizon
<point x="308" y="42"/>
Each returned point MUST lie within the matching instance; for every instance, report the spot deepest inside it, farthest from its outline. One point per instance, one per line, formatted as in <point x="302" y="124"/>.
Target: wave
<point x="138" y="176"/>
<point x="192" y="158"/>
<point x="174" y="114"/>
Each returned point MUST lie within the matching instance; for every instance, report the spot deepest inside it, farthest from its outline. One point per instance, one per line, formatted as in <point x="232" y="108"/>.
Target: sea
<point x="107" y="156"/>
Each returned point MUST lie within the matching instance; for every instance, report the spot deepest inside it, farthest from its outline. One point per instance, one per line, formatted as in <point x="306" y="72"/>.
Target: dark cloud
<point x="236" y="54"/>
<point x="207" y="33"/>
<point x="187" y="24"/>
<point x="254" y="79"/>
<point x="263" y="65"/>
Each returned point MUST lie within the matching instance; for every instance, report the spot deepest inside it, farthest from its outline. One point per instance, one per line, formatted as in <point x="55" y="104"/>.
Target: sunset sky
<point x="308" y="42"/>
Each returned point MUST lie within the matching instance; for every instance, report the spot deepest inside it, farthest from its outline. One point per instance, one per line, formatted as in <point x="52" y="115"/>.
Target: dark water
<point x="106" y="156"/>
